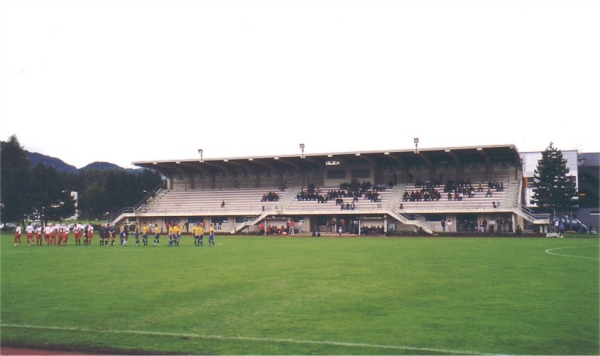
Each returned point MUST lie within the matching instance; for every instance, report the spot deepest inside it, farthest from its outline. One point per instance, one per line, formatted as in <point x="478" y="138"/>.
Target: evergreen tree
<point x="29" y="194"/>
<point x="51" y="199"/>
<point x="553" y="188"/>
<point x="16" y="181"/>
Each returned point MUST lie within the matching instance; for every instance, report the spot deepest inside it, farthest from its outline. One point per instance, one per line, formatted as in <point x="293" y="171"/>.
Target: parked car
<point x="7" y="226"/>
<point x="573" y="225"/>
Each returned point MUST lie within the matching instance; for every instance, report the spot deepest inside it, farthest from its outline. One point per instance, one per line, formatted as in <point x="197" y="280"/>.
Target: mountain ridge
<point x="36" y="158"/>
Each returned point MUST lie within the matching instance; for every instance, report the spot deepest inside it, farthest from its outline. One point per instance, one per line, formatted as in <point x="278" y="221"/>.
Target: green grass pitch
<point x="302" y="295"/>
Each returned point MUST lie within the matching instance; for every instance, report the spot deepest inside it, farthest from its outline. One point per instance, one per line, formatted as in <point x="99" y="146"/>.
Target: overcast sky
<point x="125" y="81"/>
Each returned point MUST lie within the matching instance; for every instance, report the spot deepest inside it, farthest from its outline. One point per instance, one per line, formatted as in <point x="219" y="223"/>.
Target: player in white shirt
<point x="29" y="233"/>
<point x="65" y="234"/>
<point x="38" y="235"/>
<point x="77" y="232"/>
<point x="59" y="233"/>
<point x="54" y="234"/>
<point x="18" y="235"/>
<point x="90" y="234"/>
<point x="48" y="234"/>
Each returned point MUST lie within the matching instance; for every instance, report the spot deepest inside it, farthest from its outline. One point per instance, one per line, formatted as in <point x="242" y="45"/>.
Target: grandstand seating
<point x="248" y="206"/>
<point x="194" y="201"/>
<point x="362" y="204"/>
<point x="504" y="199"/>
<point x="248" y="201"/>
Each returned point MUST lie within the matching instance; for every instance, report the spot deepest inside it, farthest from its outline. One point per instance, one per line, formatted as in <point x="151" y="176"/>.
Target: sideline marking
<point x="242" y="338"/>
<point x="563" y="255"/>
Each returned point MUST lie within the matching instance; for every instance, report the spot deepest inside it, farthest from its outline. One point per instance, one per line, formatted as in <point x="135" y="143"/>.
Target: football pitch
<point x="302" y="295"/>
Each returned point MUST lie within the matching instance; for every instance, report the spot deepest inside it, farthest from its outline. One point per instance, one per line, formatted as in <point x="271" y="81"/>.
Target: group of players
<point x="55" y="234"/>
<point x="58" y="234"/>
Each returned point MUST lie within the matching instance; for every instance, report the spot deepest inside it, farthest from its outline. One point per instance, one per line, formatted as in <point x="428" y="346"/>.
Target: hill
<point x="58" y="164"/>
<point x="100" y="166"/>
<point x="61" y="166"/>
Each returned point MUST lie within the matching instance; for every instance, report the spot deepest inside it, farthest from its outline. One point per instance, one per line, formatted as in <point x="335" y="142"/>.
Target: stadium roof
<point x="458" y="155"/>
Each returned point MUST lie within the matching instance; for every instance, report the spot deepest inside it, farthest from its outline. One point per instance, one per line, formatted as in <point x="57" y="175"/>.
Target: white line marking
<point x="563" y="255"/>
<point x="242" y="338"/>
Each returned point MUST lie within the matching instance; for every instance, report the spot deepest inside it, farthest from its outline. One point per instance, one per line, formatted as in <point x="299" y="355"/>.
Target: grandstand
<point x="396" y="191"/>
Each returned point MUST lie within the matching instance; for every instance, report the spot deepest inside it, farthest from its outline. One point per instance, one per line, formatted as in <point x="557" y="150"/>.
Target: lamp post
<point x="302" y="148"/>
<point x="201" y="151"/>
<point x="416" y="140"/>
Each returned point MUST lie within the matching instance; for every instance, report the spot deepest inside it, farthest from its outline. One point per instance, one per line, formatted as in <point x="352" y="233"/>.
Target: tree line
<point x="40" y="193"/>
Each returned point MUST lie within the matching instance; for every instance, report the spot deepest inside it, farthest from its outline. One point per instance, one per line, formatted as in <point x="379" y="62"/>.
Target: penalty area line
<point x="548" y="251"/>
<point x="244" y="338"/>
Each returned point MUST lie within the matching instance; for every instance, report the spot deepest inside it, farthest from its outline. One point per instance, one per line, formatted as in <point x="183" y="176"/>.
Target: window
<point x="339" y="174"/>
<point x="361" y="173"/>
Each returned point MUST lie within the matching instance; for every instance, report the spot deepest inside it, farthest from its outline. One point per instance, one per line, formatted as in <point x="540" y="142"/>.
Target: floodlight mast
<point x="302" y="148"/>
<point x="201" y="151"/>
<point x="416" y="141"/>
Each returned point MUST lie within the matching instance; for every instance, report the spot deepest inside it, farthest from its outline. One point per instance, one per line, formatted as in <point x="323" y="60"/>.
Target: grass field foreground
<point x="268" y="295"/>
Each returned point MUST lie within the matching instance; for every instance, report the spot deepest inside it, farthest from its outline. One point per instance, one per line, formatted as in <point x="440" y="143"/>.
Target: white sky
<point x="124" y="81"/>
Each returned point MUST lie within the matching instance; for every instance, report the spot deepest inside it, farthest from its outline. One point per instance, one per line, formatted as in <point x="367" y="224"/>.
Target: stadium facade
<point x="406" y="191"/>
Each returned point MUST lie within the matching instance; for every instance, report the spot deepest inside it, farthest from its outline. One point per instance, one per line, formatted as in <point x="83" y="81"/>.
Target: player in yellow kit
<point x="197" y="230"/>
<point x="211" y="237"/>
<point x="145" y="231"/>
<point x="156" y="235"/>
<point x="171" y="233"/>
<point x="177" y="236"/>
<point x="136" y="231"/>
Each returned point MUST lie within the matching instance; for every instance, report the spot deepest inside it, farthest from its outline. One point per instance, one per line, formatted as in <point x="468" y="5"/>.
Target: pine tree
<point x="553" y="188"/>
<point x="16" y="180"/>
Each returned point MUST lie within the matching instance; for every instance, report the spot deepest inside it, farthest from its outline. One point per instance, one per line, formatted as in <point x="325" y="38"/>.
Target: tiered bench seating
<point x="362" y="204"/>
<point x="197" y="201"/>
<point x="478" y="201"/>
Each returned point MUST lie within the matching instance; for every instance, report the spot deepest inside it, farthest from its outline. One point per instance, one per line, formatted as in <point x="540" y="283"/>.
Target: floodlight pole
<point x="416" y="141"/>
<point x="302" y="148"/>
<point x="201" y="151"/>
